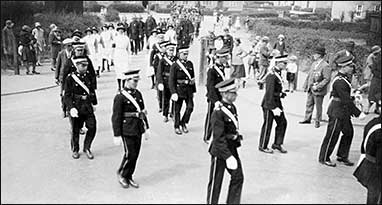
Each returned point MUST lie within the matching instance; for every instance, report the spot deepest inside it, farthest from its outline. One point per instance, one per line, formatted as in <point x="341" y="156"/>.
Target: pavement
<point x="36" y="163"/>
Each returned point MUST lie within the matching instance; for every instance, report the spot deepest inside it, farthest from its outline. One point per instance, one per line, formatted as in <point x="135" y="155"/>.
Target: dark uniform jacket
<point x="273" y="92"/>
<point x="224" y="131"/>
<point x="163" y="73"/>
<point x="213" y="78"/>
<point x="185" y="89"/>
<point x="155" y="57"/>
<point x="342" y="106"/>
<point x="69" y="68"/>
<point x="128" y="126"/>
<point x="74" y="96"/>
<point x="134" y="30"/>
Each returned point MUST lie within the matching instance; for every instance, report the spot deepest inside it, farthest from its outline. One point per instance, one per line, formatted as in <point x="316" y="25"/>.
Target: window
<point x="377" y="7"/>
<point x="358" y="10"/>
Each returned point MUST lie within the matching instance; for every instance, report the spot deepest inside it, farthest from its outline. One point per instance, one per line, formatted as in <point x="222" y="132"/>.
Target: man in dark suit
<point x="340" y="111"/>
<point x="182" y="87"/>
<point x="134" y="35"/>
<point x="150" y="25"/>
<point x="129" y="123"/>
<point x="142" y="32"/>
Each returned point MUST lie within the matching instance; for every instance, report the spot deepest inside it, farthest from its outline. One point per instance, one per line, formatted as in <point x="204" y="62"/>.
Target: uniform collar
<point x="129" y="90"/>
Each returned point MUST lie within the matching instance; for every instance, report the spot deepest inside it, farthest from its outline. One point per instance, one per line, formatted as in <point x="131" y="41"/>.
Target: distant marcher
<point x="38" y="34"/>
<point x="315" y="85"/>
<point x="9" y="43"/>
<point x="55" y="42"/>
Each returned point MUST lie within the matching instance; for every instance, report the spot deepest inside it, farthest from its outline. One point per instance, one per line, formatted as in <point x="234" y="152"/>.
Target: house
<point x="231" y="5"/>
<point x="305" y="4"/>
<point x="356" y="8"/>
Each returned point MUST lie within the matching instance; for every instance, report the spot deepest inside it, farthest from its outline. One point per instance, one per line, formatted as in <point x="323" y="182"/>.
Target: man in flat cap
<point x="163" y="75"/>
<point x="80" y="99"/>
<point x="182" y="87"/>
<point x="134" y="35"/>
<point x="223" y="147"/>
<point x="316" y="86"/>
<point x="215" y="75"/>
<point x="129" y="122"/>
<point x="340" y="111"/>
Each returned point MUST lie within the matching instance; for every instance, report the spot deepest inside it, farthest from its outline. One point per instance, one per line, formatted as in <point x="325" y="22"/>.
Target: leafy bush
<point x="112" y="15"/>
<point x="93" y="7"/>
<point x="127" y="8"/>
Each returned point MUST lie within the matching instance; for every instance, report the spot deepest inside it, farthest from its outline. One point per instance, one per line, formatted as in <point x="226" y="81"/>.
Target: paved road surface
<point x="37" y="166"/>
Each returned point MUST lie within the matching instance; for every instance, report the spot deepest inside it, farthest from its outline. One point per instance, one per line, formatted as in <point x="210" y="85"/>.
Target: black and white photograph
<point x="191" y="102"/>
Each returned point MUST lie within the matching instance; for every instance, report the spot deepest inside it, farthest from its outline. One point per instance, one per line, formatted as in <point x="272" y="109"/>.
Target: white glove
<point x="231" y="163"/>
<point x="160" y="87"/>
<point x="20" y="49"/>
<point x="147" y="134"/>
<point x="362" y="116"/>
<point x="217" y="104"/>
<point x="74" y="112"/>
<point x="277" y="111"/>
<point x="117" y="140"/>
<point x="174" y="97"/>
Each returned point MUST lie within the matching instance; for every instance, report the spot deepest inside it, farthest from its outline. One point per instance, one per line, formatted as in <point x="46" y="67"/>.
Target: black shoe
<point x="160" y="110"/>
<point x="177" y="131"/>
<point x="75" y="155"/>
<point x="184" y="129"/>
<point x="345" y="161"/>
<point x="28" y="73"/>
<point x="279" y="148"/>
<point x="89" y="154"/>
<point x="266" y="150"/>
<point x="133" y="183"/>
<point x="123" y="182"/>
<point x="329" y="163"/>
<point x="304" y="122"/>
<point x="35" y="72"/>
<point x="153" y="86"/>
<point x="317" y="124"/>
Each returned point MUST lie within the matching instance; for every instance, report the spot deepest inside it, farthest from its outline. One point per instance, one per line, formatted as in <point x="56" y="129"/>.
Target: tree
<point x="351" y="14"/>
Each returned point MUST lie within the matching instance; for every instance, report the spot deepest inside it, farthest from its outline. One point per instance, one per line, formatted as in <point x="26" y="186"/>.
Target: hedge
<point x="112" y="15"/>
<point x="93" y="7"/>
<point x="127" y="8"/>
<point x="163" y="10"/>
<point x="302" y="41"/>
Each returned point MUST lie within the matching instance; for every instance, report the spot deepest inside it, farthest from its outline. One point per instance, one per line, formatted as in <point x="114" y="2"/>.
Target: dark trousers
<point x="187" y="113"/>
<point x="267" y="128"/>
<point x="103" y="65"/>
<point x="135" y="44"/>
<point x="310" y="102"/>
<point x="77" y="124"/>
<point x="131" y="146"/>
<point x="216" y="178"/>
<point x="141" y="43"/>
<point x="335" y="126"/>
<point x="166" y="97"/>
<point x="160" y="99"/>
<point x="207" y="122"/>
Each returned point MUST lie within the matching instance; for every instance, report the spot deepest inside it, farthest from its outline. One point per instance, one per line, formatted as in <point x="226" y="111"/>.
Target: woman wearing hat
<point x="106" y="49"/>
<point x="280" y="45"/>
<point x="38" y="34"/>
<point x="121" y="55"/>
<point x="238" y="53"/>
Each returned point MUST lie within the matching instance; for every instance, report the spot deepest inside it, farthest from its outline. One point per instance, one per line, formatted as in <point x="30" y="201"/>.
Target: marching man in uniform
<point x="182" y="87"/>
<point x="340" y="111"/>
<point x="223" y="148"/>
<point x="129" y="123"/>
<point x="156" y="55"/>
<point x="273" y="110"/>
<point x="80" y="99"/>
<point x="215" y="75"/>
<point x="163" y="75"/>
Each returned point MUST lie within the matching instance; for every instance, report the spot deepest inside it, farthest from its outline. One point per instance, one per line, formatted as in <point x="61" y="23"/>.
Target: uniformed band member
<point x="80" y="98"/>
<point x="223" y="148"/>
<point x="129" y="123"/>
<point x="340" y="110"/>
<point x="163" y="75"/>
<point x="182" y="87"/>
<point x="273" y="110"/>
<point x="369" y="170"/>
<point x="156" y="55"/>
<point x="215" y="75"/>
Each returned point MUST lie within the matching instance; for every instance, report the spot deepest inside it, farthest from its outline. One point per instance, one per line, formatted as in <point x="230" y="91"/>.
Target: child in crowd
<point x="291" y="72"/>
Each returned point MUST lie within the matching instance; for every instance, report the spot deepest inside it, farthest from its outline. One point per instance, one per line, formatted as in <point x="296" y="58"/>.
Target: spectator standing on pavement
<point x="315" y="85"/>
<point x="150" y="25"/>
<point x="62" y="59"/>
<point x="107" y="39"/>
<point x="80" y="98"/>
<point x="98" y="46"/>
<point x="292" y="69"/>
<point x="228" y="40"/>
<point x="223" y="148"/>
<point x="55" y="42"/>
<point x="38" y="34"/>
<point x="121" y="56"/>
<point x="340" y="111"/>
<point x="265" y="53"/>
<point x="375" y="84"/>
<point x="9" y="43"/>
<point x="27" y="49"/>
<point x="170" y="34"/>
<point x="273" y="110"/>
<point x="369" y="168"/>
<point x="129" y="122"/>
<point x="280" y="45"/>
<point x="142" y="32"/>
<point x="238" y="53"/>
<point x="134" y="36"/>
<point x="252" y="61"/>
